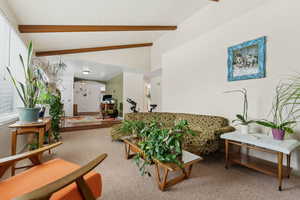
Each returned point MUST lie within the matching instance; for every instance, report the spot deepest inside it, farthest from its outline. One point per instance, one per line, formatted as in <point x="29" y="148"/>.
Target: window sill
<point x="8" y="119"/>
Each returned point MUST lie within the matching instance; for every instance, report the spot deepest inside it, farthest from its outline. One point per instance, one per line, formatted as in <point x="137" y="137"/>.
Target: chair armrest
<point x="5" y="163"/>
<point x="46" y="191"/>
<point x="11" y="159"/>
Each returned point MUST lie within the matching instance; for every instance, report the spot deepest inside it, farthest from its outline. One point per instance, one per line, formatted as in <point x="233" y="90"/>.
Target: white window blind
<point x="10" y="47"/>
<point x="6" y="90"/>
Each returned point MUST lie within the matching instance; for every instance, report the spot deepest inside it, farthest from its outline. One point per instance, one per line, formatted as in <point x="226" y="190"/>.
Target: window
<point x="10" y="47"/>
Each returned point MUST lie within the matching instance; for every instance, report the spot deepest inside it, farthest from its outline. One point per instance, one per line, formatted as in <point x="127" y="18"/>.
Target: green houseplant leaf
<point x="285" y="107"/>
<point x="157" y="142"/>
<point x="29" y="91"/>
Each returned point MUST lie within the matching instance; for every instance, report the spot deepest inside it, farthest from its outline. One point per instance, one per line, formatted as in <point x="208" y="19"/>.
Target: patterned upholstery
<point x="207" y="129"/>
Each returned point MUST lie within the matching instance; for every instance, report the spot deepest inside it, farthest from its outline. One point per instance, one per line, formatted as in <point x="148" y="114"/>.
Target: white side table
<point x="263" y="143"/>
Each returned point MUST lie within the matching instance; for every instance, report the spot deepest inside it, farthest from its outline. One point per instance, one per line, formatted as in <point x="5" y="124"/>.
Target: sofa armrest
<point x="225" y="129"/>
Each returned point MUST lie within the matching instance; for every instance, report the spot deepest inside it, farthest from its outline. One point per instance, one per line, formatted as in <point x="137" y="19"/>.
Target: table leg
<point x="226" y="154"/>
<point x="164" y="181"/>
<point x="13" y="149"/>
<point x="189" y="171"/>
<point x="280" y="169"/>
<point x="49" y="138"/>
<point x="127" y="150"/>
<point x="41" y="137"/>
<point x="161" y="182"/>
<point x="288" y="160"/>
<point x="157" y="174"/>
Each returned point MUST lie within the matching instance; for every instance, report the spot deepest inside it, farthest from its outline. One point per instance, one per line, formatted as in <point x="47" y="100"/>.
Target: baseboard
<point x="88" y="113"/>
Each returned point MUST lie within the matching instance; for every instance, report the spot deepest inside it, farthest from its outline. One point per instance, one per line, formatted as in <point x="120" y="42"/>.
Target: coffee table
<point x="188" y="160"/>
<point x="260" y="142"/>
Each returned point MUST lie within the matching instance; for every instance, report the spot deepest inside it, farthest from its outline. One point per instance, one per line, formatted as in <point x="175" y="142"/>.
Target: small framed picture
<point x="247" y="60"/>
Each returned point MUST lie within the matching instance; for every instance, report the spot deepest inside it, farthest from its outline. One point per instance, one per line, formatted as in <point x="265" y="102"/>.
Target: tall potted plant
<point x="285" y="109"/>
<point x="242" y="119"/>
<point x="29" y="90"/>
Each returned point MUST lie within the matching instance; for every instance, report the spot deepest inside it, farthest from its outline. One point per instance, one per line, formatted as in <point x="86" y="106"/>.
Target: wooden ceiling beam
<point x="87" y="28"/>
<point x="93" y="49"/>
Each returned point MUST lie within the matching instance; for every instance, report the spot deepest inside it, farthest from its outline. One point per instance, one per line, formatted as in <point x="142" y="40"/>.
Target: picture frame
<point x="247" y="60"/>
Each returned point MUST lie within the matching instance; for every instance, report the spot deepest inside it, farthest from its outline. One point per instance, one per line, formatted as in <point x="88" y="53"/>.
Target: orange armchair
<point x="56" y="179"/>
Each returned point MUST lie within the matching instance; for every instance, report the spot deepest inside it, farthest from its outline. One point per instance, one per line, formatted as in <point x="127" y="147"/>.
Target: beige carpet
<point x="209" y="180"/>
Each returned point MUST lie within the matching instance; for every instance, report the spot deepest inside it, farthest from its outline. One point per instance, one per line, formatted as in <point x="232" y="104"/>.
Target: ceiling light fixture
<point x="86" y="71"/>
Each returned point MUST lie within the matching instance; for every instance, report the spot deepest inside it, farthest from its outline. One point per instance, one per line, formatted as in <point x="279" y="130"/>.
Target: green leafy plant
<point x="285" y="109"/>
<point x="242" y="118"/>
<point x="132" y="127"/>
<point x="56" y="109"/>
<point x="158" y="142"/>
<point x="29" y="91"/>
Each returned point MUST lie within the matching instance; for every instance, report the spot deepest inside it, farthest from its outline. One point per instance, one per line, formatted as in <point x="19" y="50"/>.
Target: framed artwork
<point x="247" y="60"/>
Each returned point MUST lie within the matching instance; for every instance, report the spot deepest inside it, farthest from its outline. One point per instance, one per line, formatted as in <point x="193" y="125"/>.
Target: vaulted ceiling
<point x="99" y="12"/>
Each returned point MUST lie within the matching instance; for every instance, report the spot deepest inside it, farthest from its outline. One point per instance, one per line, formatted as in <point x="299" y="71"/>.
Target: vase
<point x="278" y="134"/>
<point x="244" y="129"/>
<point x="28" y="114"/>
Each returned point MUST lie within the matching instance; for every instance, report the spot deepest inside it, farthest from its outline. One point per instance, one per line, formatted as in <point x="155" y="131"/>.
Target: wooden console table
<point x="40" y="127"/>
<point x="260" y="142"/>
<point x="188" y="160"/>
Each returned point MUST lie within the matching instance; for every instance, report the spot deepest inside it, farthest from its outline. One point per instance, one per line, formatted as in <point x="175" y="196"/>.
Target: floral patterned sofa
<point x="207" y="128"/>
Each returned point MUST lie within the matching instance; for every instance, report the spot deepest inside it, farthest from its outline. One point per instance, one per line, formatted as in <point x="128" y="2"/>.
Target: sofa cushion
<point x="46" y="173"/>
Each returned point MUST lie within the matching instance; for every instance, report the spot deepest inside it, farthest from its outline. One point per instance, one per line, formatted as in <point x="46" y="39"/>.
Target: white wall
<point x="133" y="87"/>
<point x="132" y="60"/>
<point x="155" y="83"/>
<point x="66" y="88"/>
<point x="7" y="12"/>
<point x="194" y="58"/>
<point x="91" y="102"/>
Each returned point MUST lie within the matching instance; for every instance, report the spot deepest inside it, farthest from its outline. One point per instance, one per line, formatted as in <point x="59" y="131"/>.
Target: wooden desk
<point x="260" y="142"/>
<point x="40" y="127"/>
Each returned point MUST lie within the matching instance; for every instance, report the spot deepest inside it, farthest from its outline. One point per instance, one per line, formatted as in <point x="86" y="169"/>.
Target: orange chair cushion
<point x="46" y="173"/>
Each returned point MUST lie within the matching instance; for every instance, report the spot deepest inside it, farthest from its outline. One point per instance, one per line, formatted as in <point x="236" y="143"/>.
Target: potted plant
<point x="28" y="91"/>
<point x="157" y="142"/>
<point x="53" y="99"/>
<point x="242" y="119"/>
<point x="285" y="109"/>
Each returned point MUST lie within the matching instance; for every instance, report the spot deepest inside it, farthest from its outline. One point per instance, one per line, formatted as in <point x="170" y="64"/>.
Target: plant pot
<point x="244" y="129"/>
<point x="278" y="134"/>
<point x="28" y="114"/>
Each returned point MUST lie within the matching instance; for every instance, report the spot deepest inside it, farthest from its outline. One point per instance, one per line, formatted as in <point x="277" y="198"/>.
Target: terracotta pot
<point x="278" y="134"/>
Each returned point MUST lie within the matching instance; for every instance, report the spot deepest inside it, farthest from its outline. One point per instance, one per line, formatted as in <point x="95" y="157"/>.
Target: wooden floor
<point x="86" y="122"/>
